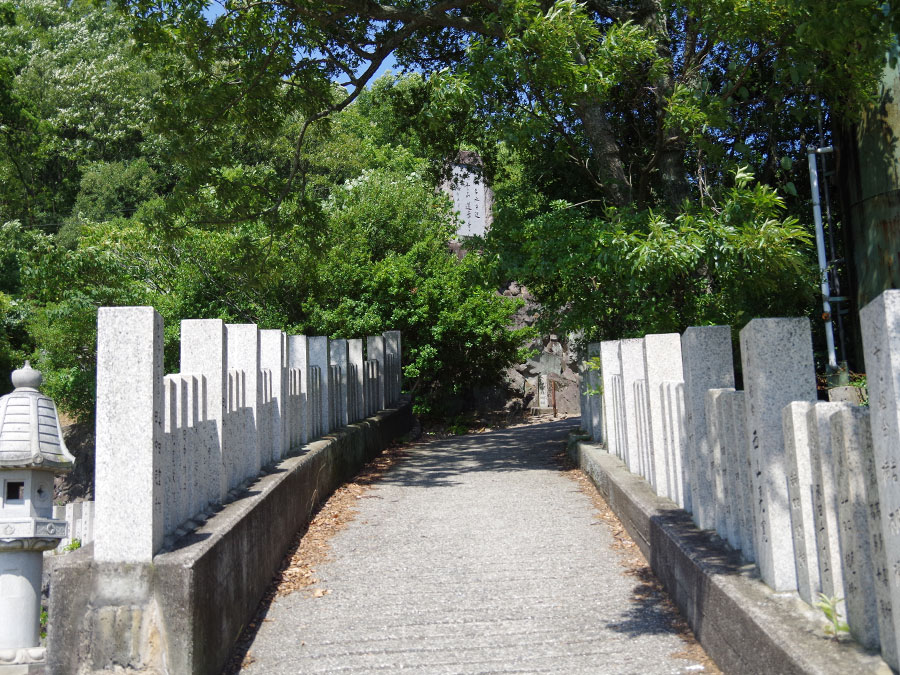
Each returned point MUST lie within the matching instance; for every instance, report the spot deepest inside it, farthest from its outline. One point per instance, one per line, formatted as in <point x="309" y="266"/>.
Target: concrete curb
<point x="183" y="612"/>
<point x="744" y="626"/>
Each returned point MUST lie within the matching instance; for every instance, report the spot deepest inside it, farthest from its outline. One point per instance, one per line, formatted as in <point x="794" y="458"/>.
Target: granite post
<point x="243" y="354"/>
<point x="880" y="322"/>
<point x="273" y="355"/>
<point x="798" y="453"/>
<point x="298" y="358"/>
<point x="320" y="357"/>
<point x="392" y="348"/>
<point x="825" y="497"/>
<point x="631" y="364"/>
<point x="777" y="360"/>
<point x="375" y="352"/>
<point x="609" y="367"/>
<point x="129" y="432"/>
<point x="340" y="357"/>
<point x="662" y="362"/>
<point x="707" y="362"/>
<point x="595" y="400"/>
<point x="358" y="409"/>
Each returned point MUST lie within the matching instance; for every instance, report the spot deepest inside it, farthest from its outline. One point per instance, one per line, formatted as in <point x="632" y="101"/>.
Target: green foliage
<point x="829" y="606"/>
<point x="73" y="545"/>
<point x="630" y="272"/>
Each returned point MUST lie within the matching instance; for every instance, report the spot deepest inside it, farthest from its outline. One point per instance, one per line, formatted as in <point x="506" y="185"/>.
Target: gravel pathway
<point x="474" y="555"/>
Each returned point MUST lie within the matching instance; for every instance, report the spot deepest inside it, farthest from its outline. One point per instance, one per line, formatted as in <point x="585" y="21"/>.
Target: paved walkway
<point x="474" y="555"/>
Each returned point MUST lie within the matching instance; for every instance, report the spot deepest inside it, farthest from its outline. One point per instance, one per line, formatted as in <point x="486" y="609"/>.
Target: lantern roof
<point x="30" y="435"/>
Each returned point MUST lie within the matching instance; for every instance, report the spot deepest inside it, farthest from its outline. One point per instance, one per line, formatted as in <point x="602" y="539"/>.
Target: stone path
<point x="474" y="555"/>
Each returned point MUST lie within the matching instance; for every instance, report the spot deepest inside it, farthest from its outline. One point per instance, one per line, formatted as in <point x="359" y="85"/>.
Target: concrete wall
<point x="182" y="612"/>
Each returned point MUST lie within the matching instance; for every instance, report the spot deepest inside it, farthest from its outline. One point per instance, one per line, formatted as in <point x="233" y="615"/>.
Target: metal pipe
<point x="811" y="154"/>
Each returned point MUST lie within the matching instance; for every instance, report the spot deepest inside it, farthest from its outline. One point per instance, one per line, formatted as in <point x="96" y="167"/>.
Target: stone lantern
<point x="31" y="452"/>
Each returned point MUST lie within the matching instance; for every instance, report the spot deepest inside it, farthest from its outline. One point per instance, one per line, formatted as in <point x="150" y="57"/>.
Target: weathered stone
<point x="707" y="363"/>
<point x="673" y="439"/>
<point x="798" y="453"/>
<point x="273" y="356"/>
<point x="776" y="355"/>
<point x="129" y="434"/>
<point x="609" y="367"/>
<point x="644" y="467"/>
<point x="298" y="359"/>
<point x="880" y="322"/>
<point x="357" y="408"/>
<point x="595" y="400"/>
<point x="340" y="357"/>
<point x="375" y="352"/>
<point x="203" y="352"/>
<point x="631" y="364"/>
<point x="392" y="349"/>
<point x="852" y="395"/>
<point x="825" y="497"/>
<point x="662" y="362"/>
<point x="734" y="434"/>
<point x="724" y="469"/>
<point x="320" y="357"/>
<point x="243" y="355"/>
<point x="852" y="449"/>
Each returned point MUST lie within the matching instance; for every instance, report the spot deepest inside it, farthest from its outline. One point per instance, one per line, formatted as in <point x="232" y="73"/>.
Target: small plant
<point x="459" y="426"/>
<point x="829" y="606"/>
<point x="43" y="622"/>
<point x="860" y="381"/>
<point x="73" y="545"/>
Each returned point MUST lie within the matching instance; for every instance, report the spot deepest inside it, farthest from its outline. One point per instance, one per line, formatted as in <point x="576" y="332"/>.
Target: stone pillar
<point x="129" y="435"/>
<point x="852" y="448"/>
<point x="777" y="360"/>
<point x="707" y="362"/>
<point x="798" y="453"/>
<point x="298" y="357"/>
<point x="733" y="439"/>
<point x="320" y="357"/>
<point x="358" y="409"/>
<point x="203" y="352"/>
<point x="721" y="468"/>
<point x="672" y="396"/>
<point x="631" y="364"/>
<point x="609" y="367"/>
<point x="662" y="363"/>
<point x="880" y="322"/>
<point x="243" y="354"/>
<point x="273" y="356"/>
<point x="375" y="352"/>
<point x="595" y="401"/>
<point x="395" y="377"/>
<point x="340" y="358"/>
<point x="824" y="496"/>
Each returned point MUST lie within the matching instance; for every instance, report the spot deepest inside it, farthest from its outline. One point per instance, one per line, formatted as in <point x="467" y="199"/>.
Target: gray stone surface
<point x="662" y="363"/>
<point x="475" y="555"/>
<point x="203" y="352"/>
<point x="733" y="418"/>
<point x="825" y="497"/>
<point x="273" y="356"/>
<point x="320" y="357"/>
<point x="707" y="362"/>
<point x="880" y="323"/>
<point x="358" y="407"/>
<point x="718" y="466"/>
<point x="243" y="355"/>
<point x="340" y="357"/>
<point x="777" y="360"/>
<point x="798" y="453"/>
<point x="375" y="352"/>
<point x="644" y="467"/>
<point x="298" y="358"/>
<point x="595" y="401"/>
<point x="129" y="450"/>
<point x="609" y="360"/>
<point x="393" y="349"/>
<point x="631" y="364"/>
<point x="852" y="449"/>
<point x="673" y="438"/>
